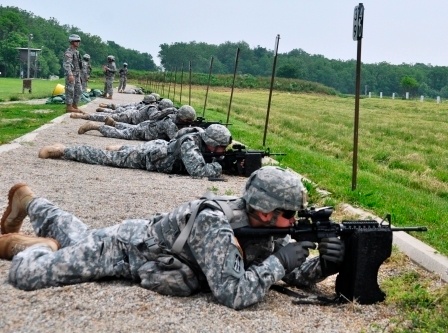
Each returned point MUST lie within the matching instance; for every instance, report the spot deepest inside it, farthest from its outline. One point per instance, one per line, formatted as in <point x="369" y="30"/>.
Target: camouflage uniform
<point x="109" y="74"/>
<point x="123" y="78"/>
<point x="131" y="116"/>
<point x="177" y="156"/>
<point x="85" y="73"/>
<point x="142" y="251"/>
<point x="115" y="108"/>
<point x="72" y="66"/>
<point x="147" y="130"/>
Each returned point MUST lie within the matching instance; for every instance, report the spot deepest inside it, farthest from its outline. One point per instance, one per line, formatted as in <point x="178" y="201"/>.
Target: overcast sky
<point x="395" y="31"/>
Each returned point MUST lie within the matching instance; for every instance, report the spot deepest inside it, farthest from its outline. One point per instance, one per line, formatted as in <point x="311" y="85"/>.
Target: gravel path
<point x="103" y="196"/>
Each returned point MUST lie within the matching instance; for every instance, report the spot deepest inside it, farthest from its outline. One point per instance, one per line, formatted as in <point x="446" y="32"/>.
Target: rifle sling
<point x="305" y="299"/>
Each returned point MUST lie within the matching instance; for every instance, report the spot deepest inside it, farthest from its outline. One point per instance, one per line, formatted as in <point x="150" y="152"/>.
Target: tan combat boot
<point x="53" y="151"/>
<point x="89" y="126"/>
<point x="114" y="147"/>
<point x="109" y="121"/>
<point x="99" y="109"/>
<point x="79" y="115"/>
<point x="19" y="197"/>
<point x="11" y="244"/>
<point x="109" y="97"/>
<point x="75" y="106"/>
<point x="72" y="110"/>
<point x="103" y="105"/>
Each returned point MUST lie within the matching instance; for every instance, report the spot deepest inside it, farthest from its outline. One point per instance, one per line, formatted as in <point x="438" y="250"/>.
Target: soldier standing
<point x="123" y="78"/>
<point x="72" y="68"/>
<point x="86" y="69"/>
<point x="109" y="74"/>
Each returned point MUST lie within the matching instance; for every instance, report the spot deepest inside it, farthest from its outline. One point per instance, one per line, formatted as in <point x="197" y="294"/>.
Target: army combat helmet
<point x="110" y="58"/>
<point x="74" y="38"/>
<point x="216" y="135"/>
<point x="86" y="56"/>
<point x="271" y="188"/>
<point x="157" y="96"/>
<point x="148" y="99"/>
<point x="185" y="114"/>
<point x="165" y="103"/>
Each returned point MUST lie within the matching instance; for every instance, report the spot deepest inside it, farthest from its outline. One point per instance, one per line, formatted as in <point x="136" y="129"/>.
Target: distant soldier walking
<point x="109" y="73"/>
<point x="72" y="69"/>
<point x="85" y="72"/>
<point x="123" y="78"/>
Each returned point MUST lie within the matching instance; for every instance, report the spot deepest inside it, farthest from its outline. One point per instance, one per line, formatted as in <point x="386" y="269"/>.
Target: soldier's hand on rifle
<point x="331" y="251"/>
<point x="294" y="254"/>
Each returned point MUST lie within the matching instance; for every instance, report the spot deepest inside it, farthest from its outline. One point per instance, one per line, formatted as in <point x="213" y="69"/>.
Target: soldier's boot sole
<point x="53" y="151"/>
<point x="18" y="198"/>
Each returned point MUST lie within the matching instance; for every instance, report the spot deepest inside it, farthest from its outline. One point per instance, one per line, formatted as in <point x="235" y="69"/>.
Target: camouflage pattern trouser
<point x="131" y="116"/>
<point x="108" y="87"/>
<point x="85" y="255"/>
<point x="118" y="132"/>
<point x="125" y="131"/>
<point x="147" y="156"/>
<point x="122" y="85"/>
<point x="73" y="90"/>
<point x="84" y="82"/>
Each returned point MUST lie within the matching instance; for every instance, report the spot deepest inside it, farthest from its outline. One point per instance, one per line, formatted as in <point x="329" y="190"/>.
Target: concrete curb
<point x="419" y="252"/>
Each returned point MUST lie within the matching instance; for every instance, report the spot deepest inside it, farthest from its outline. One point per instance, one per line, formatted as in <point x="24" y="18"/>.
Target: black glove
<point x="331" y="252"/>
<point x="294" y="254"/>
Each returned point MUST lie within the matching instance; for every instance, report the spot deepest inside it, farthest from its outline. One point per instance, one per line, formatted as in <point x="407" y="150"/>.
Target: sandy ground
<point x="103" y="196"/>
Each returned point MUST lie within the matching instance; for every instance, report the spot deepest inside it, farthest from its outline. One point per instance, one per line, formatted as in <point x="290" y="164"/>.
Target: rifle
<point x="201" y="122"/>
<point x="367" y="244"/>
<point x="238" y="160"/>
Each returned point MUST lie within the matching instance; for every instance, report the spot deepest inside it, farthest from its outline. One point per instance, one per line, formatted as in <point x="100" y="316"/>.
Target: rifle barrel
<point x="409" y="229"/>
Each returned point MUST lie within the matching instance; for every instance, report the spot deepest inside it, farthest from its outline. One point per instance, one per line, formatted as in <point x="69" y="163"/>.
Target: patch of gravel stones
<point x="103" y="196"/>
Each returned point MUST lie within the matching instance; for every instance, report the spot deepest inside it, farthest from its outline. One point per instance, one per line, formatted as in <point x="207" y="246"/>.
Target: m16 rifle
<point x="238" y="160"/>
<point x="200" y="122"/>
<point x="367" y="244"/>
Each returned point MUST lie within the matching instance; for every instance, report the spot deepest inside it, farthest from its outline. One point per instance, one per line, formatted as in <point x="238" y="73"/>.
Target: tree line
<point x="16" y="25"/>
<point x="417" y="79"/>
<point x="52" y="38"/>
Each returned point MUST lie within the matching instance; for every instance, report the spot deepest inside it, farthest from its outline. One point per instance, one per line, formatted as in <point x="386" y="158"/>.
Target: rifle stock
<point x="368" y="244"/>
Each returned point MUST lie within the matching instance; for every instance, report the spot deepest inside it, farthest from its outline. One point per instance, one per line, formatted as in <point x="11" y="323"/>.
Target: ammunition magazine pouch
<point x="158" y="152"/>
<point x="168" y="276"/>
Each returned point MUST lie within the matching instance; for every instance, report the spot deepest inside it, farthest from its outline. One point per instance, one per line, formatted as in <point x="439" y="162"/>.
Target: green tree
<point x="409" y="84"/>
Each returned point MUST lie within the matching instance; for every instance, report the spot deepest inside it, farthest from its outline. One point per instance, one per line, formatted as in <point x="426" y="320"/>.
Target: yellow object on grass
<point x="59" y="90"/>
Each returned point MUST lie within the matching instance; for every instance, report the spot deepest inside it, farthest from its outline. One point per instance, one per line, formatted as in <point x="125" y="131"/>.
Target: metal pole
<point x="189" y="91"/>
<point x="30" y="37"/>
<point x="277" y="39"/>
<point x="181" y="82"/>
<point x="163" y="83"/>
<point x="174" y="88"/>
<point x="208" y="85"/>
<point x="356" y="125"/>
<point x="233" y="83"/>
<point x="169" y="84"/>
<point x="358" y="26"/>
